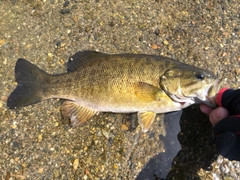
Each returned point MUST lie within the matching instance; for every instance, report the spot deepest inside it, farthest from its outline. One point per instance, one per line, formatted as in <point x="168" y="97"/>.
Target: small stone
<point x="87" y="171"/>
<point x="157" y="31"/>
<point x="56" y="173"/>
<point x="58" y="44"/>
<point x="40" y="138"/>
<point x="105" y="133"/>
<point x="56" y="124"/>
<point x="40" y="170"/>
<point x="24" y="165"/>
<point x="4" y="98"/>
<point x="2" y="42"/>
<point x="85" y="177"/>
<point x="237" y="71"/>
<point x="50" y="55"/>
<point x="1" y="104"/>
<point x="88" y="28"/>
<point x="124" y="127"/>
<point x="66" y="3"/>
<point x="155" y="46"/>
<point x="85" y="148"/>
<point x="5" y="62"/>
<point x="65" y="11"/>
<point x="75" y="164"/>
<point x="14" y="126"/>
<point x="206" y="48"/>
<point x="165" y="42"/>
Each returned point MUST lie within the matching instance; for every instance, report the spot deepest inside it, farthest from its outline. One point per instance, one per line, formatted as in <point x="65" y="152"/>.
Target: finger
<point x="205" y="109"/>
<point x="217" y="115"/>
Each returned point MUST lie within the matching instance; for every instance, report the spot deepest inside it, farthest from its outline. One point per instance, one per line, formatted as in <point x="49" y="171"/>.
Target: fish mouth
<point x="206" y="96"/>
<point x="212" y="92"/>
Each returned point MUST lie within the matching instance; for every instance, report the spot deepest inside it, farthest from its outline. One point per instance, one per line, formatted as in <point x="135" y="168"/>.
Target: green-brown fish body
<point x="124" y="83"/>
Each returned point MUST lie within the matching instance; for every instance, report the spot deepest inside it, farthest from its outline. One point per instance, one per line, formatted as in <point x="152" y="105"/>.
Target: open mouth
<point x="206" y="96"/>
<point x="213" y="90"/>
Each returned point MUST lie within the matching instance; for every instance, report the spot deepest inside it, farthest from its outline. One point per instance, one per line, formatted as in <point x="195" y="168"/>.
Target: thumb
<point x="217" y="115"/>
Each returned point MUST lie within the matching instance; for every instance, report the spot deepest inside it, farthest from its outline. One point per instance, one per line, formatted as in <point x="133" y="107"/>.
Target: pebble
<point x="56" y="173"/>
<point x="215" y="177"/>
<point x="14" y="126"/>
<point x="56" y="124"/>
<point x="75" y="164"/>
<point x="124" y="127"/>
<point x="65" y="11"/>
<point x="115" y="166"/>
<point x="40" y="138"/>
<point x="165" y="42"/>
<point x="155" y="46"/>
<point x="5" y="62"/>
<point x="66" y="3"/>
<point x="105" y="133"/>
<point x="2" y="42"/>
<point x="40" y="170"/>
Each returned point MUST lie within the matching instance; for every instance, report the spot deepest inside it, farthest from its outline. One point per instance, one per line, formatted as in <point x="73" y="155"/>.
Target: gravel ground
<point x="36" y="145"/>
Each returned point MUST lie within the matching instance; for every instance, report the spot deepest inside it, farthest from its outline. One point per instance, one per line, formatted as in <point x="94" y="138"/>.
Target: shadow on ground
<point x="183" y="159"/>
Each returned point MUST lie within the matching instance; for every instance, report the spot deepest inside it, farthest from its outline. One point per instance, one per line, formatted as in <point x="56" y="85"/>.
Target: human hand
<point x="226" y="122"/>
<point x="215" y="115"/>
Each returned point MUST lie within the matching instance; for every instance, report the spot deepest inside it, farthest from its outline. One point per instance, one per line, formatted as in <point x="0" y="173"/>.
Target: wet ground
<point x="36" y="145"/>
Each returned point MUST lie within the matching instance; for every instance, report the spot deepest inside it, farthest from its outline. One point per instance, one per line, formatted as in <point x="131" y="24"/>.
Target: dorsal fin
<point x="81" y="58"/>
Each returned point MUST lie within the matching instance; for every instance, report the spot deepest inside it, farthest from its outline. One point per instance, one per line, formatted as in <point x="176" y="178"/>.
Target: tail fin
<point x="30" y="86"/>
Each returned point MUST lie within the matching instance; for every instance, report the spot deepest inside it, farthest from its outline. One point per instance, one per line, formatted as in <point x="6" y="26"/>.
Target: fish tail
<point x="31" y="85"/>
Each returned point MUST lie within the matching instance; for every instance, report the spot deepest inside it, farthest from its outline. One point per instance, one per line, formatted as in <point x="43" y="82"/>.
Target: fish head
<point x="189" y="85"/>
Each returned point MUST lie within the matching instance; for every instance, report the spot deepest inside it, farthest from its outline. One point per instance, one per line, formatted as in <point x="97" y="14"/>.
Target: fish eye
<point x="200" y="76"/>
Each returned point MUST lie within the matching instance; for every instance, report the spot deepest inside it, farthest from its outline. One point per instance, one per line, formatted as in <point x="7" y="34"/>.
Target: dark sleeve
<point x="227" y="137"/>
<point x="227" y="131"/>
<point x="229" y="99"/>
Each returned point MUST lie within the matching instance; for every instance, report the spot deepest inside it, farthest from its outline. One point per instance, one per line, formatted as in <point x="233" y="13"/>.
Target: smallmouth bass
<point x="122" y="83"/>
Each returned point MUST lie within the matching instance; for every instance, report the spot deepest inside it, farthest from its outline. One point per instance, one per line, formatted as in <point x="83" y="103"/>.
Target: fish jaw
<point x="206" y="96"/>
<point x="211" y="93"/>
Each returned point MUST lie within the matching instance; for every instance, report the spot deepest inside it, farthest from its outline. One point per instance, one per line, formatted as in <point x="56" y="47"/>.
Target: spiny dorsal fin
<point x="81" y="58"/>
<point x="145" y="119"/>
<point x="75" y="114"/>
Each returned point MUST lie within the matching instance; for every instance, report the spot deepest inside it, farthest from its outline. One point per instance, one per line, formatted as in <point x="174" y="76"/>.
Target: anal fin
<point x="145" y="119"/>
<point x="74" y="114"/>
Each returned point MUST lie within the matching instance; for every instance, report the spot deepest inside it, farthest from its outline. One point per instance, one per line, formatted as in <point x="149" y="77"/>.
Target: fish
<point x="120" y="83"/>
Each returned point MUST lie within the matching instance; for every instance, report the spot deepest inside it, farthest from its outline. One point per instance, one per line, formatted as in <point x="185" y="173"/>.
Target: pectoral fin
<point x="145" y="119"/>
<point x="75" y="114"/>
<point x="149" y="92"/>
